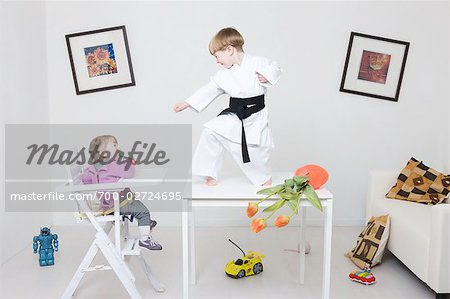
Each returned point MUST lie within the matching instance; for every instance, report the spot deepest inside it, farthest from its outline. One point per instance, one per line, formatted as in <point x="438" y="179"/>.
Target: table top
<point x="240" y="188"/>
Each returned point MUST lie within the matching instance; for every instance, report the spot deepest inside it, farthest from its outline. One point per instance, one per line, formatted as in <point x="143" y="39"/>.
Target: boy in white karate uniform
<point x="242" y="129"/>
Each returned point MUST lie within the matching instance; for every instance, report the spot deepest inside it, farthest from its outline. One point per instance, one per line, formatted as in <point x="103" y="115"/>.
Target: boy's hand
<point x="261" y="78"/>
<point x="181" y="106"/>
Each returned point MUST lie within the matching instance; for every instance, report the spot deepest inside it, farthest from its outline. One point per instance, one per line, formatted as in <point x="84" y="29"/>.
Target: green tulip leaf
<point x="304" y="184"/>
<point x="270" y="190"/>
<point x="278" y="204"/>
<point x="289" y="195"/>
<point x="300" y="180"/>
<point x="312" y="197"/>
<point x="289" y="183"/>
<point x="292" y="204"/>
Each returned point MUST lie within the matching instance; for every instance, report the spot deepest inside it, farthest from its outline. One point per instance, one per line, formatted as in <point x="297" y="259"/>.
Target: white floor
<point x="21" y="277"/>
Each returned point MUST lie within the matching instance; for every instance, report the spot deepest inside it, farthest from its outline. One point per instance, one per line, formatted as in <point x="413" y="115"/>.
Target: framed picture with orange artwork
<point x="374" y="66"/>
<point x="100" y="60"/>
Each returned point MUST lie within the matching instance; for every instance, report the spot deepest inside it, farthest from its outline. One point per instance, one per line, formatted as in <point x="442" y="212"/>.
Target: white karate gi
<point x="224" y="132"/>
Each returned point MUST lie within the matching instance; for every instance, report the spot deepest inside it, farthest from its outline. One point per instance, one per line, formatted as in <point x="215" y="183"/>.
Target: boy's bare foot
<point x="268" y="183"/>
<point x="210" y="181"/>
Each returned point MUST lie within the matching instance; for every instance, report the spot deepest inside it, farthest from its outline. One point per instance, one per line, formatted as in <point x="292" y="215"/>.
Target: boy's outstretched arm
<point x="205" y="95"/>
<point x="202" y="97"/>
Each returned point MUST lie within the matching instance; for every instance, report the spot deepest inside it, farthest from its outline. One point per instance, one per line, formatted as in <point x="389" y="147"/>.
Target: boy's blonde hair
<point x="226" y="37"/>
<point x="97" y="146"/>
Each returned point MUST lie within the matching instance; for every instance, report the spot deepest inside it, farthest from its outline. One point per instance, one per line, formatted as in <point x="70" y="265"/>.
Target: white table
<point x="237" y="192"/>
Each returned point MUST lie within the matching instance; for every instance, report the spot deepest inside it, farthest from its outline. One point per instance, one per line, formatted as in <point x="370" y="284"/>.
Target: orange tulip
<point x="258" y="225"/>
<point x="252" y="209"/>
<point x="282" y="221"/>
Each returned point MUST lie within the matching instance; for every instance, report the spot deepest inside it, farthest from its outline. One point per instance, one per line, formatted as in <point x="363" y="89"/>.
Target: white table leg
<point x="192" y="246"/>
<point x="302" y="244"/>
<point x="185" y="241"/>
<point x="327" y="249"/>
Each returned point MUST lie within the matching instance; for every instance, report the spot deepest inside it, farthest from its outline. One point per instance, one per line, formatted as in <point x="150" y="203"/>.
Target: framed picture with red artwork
<point x="374" y="66"/>
<point x="100" y="60"/>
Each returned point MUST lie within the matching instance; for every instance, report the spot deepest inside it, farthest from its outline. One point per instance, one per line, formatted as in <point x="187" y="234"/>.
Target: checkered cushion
<point x="420" y="183"/>
<point x="371" y="242"/>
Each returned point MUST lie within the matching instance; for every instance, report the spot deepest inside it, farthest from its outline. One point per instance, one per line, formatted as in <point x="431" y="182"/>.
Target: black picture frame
<point x="374" y="66"/>
<point x="114" y="71"/>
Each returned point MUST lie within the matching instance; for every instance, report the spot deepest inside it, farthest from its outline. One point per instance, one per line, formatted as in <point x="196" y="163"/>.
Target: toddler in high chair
<point x="242" y="129"/>
<point x="108" y="167"/>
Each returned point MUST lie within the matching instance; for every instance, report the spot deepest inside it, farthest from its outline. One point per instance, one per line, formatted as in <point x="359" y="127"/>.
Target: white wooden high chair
<point x="116" y="253"/>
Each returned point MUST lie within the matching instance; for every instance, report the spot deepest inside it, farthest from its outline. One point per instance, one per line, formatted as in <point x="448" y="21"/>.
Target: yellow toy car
<point x="250" y="264"/>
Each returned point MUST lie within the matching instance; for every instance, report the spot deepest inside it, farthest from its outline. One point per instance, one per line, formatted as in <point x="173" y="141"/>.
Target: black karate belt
<point x="243" y="108"/>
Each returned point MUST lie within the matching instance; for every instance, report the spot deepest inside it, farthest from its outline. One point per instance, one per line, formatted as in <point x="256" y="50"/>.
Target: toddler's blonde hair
<point x="224" y="38"/>
<point x="97" y="146"/>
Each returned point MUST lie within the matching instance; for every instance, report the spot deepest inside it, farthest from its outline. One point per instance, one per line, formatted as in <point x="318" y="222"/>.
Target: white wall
<point x="448" y="102"/>
<point x="312" y="121"/>
<point x="2" y="147"/>
<point x="24" y="100"/>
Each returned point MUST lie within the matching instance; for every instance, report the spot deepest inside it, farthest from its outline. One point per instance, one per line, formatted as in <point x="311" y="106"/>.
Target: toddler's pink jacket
<point x="108" y="173"/>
